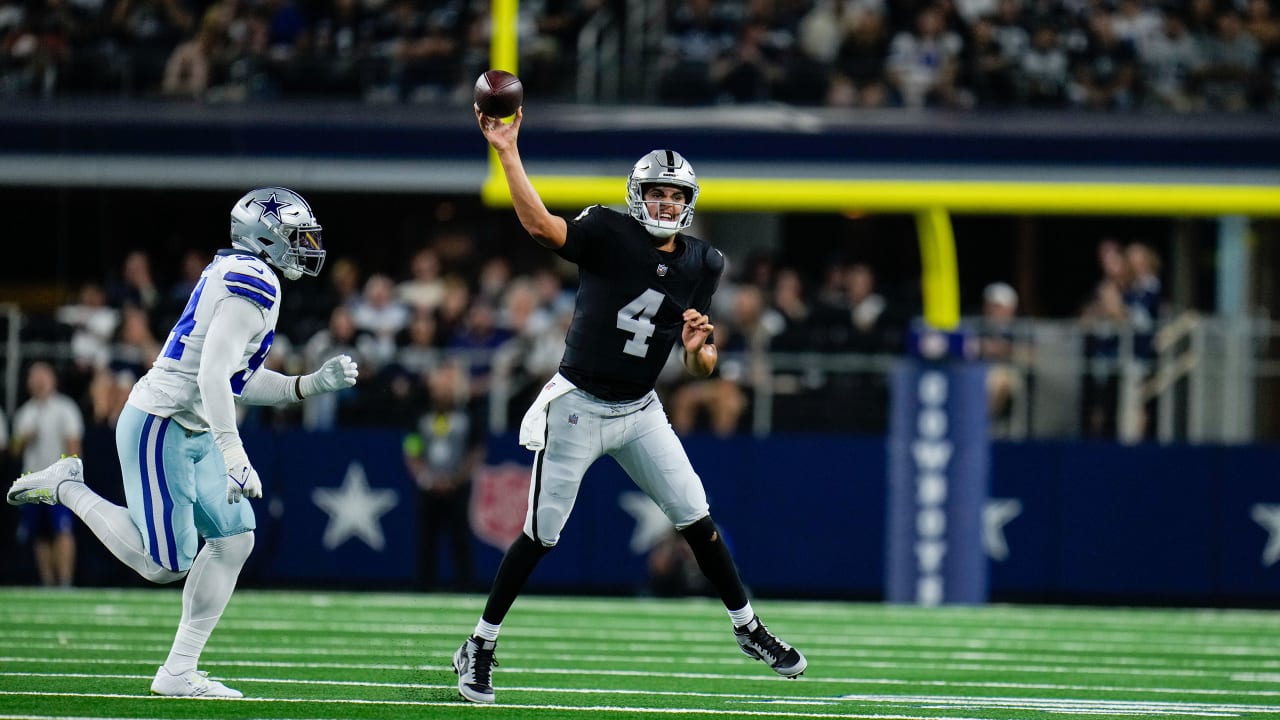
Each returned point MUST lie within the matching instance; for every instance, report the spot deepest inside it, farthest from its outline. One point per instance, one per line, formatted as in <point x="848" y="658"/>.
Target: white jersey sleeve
<point x="232" y="280"/>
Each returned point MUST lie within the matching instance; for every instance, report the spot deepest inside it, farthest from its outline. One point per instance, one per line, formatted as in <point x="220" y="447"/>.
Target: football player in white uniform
<point x="185" y="469"/>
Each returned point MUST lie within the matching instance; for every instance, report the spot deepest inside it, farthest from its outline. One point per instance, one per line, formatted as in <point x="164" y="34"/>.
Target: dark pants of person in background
<point x="443" y="513"/>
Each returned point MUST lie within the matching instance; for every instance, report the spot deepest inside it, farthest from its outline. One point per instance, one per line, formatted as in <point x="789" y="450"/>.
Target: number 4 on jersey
<point x="636" y="317"/>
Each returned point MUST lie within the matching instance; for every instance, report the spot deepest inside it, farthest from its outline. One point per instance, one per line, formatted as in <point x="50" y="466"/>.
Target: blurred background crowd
<point x="1114" y="55"/>
<point x="490" y="326"/>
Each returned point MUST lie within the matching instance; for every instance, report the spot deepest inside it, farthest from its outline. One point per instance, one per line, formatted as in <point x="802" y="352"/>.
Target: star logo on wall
<point x="1268" y="516"/>
<point x="996" y="513"/>
<point x="355" y="510"/>
<point x="651" y="523"/>
<point x="271" y="206"/>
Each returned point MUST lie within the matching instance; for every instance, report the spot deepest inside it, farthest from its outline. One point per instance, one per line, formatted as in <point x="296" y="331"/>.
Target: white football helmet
<point x="277" y="225"/>
<point x="662" y="167"/>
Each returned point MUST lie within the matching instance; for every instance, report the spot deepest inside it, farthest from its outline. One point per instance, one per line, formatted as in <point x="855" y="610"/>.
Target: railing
<point x="1204" y="380"/>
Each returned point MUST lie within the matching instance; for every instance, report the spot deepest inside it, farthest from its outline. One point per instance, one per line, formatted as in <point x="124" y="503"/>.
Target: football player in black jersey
<point x="643" y="286"/>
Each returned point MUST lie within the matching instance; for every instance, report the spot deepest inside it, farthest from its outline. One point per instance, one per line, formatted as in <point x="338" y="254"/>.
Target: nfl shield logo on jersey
<point x="662" y="270"/>
<point x="573" y="418"/>
<point x="499" y="501"/>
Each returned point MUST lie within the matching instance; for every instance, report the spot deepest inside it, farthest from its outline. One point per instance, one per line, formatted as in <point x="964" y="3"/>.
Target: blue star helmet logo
<point x="272" y="206"/>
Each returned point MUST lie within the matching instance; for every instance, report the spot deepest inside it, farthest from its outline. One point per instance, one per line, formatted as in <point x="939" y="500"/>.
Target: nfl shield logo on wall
<point x="662" y="270"/>
<point x="499" y="501"/>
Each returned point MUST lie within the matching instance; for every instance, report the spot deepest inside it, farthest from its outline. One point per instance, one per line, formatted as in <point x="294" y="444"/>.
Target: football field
<point x="90" y="653"/>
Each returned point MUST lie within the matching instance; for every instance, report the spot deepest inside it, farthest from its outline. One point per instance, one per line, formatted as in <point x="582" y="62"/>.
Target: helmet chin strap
<point x="660" y="232"/>
<point x="291" y="273"/>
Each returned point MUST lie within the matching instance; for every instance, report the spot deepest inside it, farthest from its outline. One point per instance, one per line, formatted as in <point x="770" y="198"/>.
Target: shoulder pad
<point x="714" y="261"/>
<point x="252" y="279"/>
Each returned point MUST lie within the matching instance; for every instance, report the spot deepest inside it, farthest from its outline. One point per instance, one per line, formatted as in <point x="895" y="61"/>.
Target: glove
<point x="242" y="479"/>
<point x="337" y="373"/>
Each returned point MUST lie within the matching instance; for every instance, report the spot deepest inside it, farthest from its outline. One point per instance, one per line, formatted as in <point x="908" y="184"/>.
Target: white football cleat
<point x="41" y="486"/>
<point x="192" y="683"/>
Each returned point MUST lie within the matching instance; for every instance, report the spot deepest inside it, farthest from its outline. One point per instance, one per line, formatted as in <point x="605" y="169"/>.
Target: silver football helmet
<point x="277" y="225"/>
<point x="662" y="167"/>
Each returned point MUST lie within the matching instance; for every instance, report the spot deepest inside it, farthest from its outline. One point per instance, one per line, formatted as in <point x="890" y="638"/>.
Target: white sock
<point x="742" y="616"/>
<point x="485" y="631"/>
<point x="205" y="596"/>
<point x="187" y="646"/>
<point x="113" y="526"/>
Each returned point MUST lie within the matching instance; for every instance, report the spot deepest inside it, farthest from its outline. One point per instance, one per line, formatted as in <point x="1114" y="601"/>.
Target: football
<point x="499" y="93"/>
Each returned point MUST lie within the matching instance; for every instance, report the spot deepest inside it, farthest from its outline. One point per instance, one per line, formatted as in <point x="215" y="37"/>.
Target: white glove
<point x="242" y="479"/>
<point x="337" y="373"/>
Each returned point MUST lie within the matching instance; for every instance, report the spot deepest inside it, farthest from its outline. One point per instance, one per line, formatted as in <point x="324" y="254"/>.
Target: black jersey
<point x="631" y="297"/>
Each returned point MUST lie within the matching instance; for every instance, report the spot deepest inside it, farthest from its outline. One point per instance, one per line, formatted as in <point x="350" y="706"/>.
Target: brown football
<point x="499" y="93"/>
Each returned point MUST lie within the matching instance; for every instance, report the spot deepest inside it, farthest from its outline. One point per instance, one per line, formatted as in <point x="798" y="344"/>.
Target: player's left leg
<point x="228" y="532"/>
<point x="651" y="453"/>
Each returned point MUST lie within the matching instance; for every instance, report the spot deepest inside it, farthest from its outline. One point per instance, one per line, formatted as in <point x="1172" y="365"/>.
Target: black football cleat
<point x="757" y="642"/>
<point x="474" y="662"/>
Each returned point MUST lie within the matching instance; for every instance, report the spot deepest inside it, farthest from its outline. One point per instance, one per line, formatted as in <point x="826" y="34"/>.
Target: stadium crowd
<point x="1116" y="55"/>
<point x="458" y="312"/>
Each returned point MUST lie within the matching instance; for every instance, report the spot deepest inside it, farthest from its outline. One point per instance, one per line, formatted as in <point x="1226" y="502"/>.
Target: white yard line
<point x="580" y="672"/>
<point x="923" y="702"/>
<point x="1262" y="646"/>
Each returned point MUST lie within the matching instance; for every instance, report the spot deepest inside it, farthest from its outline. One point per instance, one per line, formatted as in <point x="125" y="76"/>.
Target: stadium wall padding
<point x="805" y="515"/>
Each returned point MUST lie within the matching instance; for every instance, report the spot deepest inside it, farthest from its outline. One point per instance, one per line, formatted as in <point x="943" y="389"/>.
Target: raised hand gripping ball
<point x="499" y="93"/>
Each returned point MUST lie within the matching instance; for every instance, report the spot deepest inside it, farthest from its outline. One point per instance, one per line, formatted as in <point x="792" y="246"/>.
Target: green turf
<point x="90" y="653"/>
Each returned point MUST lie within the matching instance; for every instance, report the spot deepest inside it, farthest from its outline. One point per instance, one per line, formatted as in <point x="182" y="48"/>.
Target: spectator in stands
<point x="698" y="32"/>
<point x="1000" y="349"/>
<point x="420" y="51"/>
<point x="135" y="347"/>
<point x="1011" y="29"/>
<point x="1105" y="72"/>
<point x="452" y="312"/>
<point x="988" y="71"/>
<point x="1043" y="73"/>
<point x="93" y="325"/>
<point x="1135" y="21"/>
<point x="748" y="71"/>
<point x="192" y="66"/>
<point x="1142" y="297"/>
<point x="924" y="63"/>
<point x="493" y="280"/>
<point x="475" y="342"/>
<point x="424" y="288"/>
<point x="858" y="79"/>
<point x="441" y="454"/>
<point x="46" y="427"/>
<point x="327" y="410"/>
<point x="1261" y="23"/>
<point x="1171" y="60"/>
<point x="135" y="286"/>
<point x="1104" y="318"/>
<point x="379" y="313"/>
<point x="867" y="327"/>
<point x="1231" y="62"/>
<point x="724" y="396"/>
<point x="147" y="31"/>
<point x="336" y="62"/>
<point x="36" y="50"/>
<point x="417" y="345"/>
<point x="789" y="304"/>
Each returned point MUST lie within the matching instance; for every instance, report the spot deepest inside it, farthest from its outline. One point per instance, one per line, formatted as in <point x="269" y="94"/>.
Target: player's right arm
<point x="547" y="229"/>
<point x="235" y="323"/>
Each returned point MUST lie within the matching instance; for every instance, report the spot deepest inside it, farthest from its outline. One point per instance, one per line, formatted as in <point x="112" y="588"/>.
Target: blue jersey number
<point x="255" y="361"/>
<point x="174" y="346"/>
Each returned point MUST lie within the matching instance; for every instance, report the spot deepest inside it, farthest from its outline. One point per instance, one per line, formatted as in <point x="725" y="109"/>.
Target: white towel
<point x="533" y="428"/>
